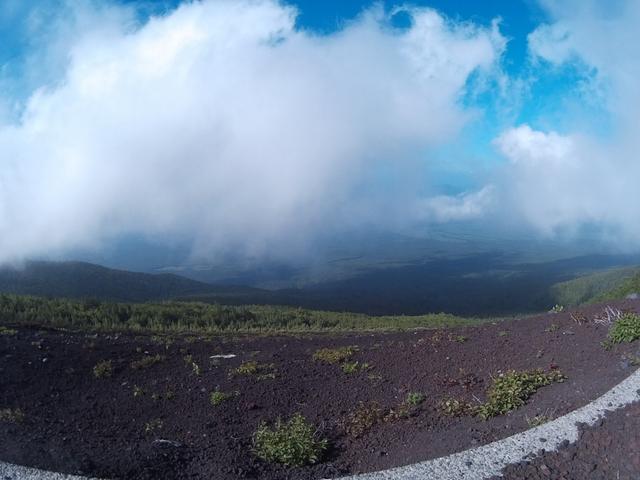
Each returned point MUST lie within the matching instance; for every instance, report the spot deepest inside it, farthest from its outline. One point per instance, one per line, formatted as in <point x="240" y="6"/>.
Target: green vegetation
<point x="11" y="415"/>
<point x="414" y="399"/>
<point x="538" y="420"/>
<point x="557" y="308"/>
<point x="137" y="391"/>
<point x="294" y="443"/>
<point x="217" y="397"/>
<point x="626" y="329"/>
<point x="262" y="371"/>
<point x="179" y="317"/>
<point x="146" y="362"/>
<point x="456" y="408"/>
<point x="598" y="287"/>
<point x="103" y="369"/>
<point x="7" y="331"/>
<point x="512" y="389"/>
<point x="188" y="359"/>
<point x="334" y="355"/>
<point x="353" y="367"/>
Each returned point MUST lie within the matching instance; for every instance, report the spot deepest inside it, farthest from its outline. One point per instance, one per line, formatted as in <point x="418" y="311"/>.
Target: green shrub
<point x="103" y="369"/>
<point x="294" y="443"/>
<point x="626" y="329"/>
<point x="7" y="331"/>
<point x="146" y="362"/>
<point x="512" y="389"/>
<point x="414" y="399"/>
<point x="262" y="371"/>
<point x="334" y="355"/>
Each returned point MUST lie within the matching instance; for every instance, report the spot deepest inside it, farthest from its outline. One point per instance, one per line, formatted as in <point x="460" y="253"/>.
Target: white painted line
<point x="489" y="460"/>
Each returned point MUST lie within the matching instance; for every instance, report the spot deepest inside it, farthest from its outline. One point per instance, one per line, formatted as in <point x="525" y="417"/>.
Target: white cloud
<point x="224" y="122"/>
<point x="565" y="182"/>
<point x="467" y="206"/>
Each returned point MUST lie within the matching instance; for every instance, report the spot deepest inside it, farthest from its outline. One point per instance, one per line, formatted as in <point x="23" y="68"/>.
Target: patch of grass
<point x="503" y="333"/>
<point x="146" y="362"/>
<point x="459" y="338"/>
<point x="353" y="367"/>
<point x="453" y="407"/>
<point x="512" y="389"/>
<point x="552" y="328"/>
<point x="334" y="355"/>
<point x="7" y="331"/>
<point x="362" y="419"/>
<point x="103" y="369"/>
<point x="538" y="420"/>
<point x="294" y="443"/>
<point x="414" y="399"/>
<point x="11" y="415"/>
<point x="626" y="329"/>
<point x="218" y="397"/>
<point x="153" y="425"/>
<point x="262" y="371"/>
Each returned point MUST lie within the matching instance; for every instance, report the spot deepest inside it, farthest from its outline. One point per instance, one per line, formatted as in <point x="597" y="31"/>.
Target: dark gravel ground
<point x="608" y="450"/>
<point x="77" y="423"/>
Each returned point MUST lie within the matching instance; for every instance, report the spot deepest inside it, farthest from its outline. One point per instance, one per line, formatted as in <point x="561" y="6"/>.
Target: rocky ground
<point x="154" y="419"/>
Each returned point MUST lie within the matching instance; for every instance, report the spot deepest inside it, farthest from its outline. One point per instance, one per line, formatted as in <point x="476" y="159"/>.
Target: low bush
<point x="512" y="389"/>
<point x="414" y="399"/>
<point x="218" y="397"/>
<point x="294" y="443"/>
<point x="626" y="329"/>
<point x="334" y="355"/>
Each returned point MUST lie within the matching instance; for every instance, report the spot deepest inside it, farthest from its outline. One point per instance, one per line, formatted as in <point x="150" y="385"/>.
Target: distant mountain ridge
<point x="87" y="280"/>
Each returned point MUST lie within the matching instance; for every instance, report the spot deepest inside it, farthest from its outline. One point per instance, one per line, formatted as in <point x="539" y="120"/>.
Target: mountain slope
<point x="86" y="280"/>
<point x="601" y="286"/>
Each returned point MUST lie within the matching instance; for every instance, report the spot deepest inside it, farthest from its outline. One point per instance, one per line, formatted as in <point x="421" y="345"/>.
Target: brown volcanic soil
<point x="77" y="423"/>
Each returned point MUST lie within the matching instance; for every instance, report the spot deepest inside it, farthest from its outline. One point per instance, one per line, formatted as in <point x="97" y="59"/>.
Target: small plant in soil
<point x="137" y="391"/>
<point x="512" y="389"/>
<point x="459" y="338"/>
<point x="625" y="329"/>
<point x="146" y="362"/>
<point x="188" y="359"/>
<point x="262" y="371"/>
<point x="552" y="328"/>
<point x="11" y="415"/>
<point x="7" y="331"/>
<point x="453" y="407"/>
<point x="294" y="443"/>
<point x="557" y="309"/>
<point x="153" y="425"/>
<point x="334" y="355"/>
<point x="103" y="369"/>
<point x="537" y="420"/>
<point x="353" y="367"/>
<point x="362" y="419"/>
<point x="503" y="333"/>
<point x="414" y="399"/>
<point x="218" y="397"/>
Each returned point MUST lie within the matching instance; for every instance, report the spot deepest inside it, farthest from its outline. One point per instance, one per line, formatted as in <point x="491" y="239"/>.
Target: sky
<point x="259" y="127"/>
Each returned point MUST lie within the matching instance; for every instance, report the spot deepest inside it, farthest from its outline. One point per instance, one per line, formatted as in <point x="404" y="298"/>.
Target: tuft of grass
<point x="626" y="329"/>
<point x="503" y="333"/>
<point x="294" y="443"/>
<point x="7" y="331"/>
<point x="537" y="420"/>
<point x="334" y="355"/>
<point x="552" y="328"/>
<point x="456" y="408"/>
<point x="512" y="389"/>
<point x="262" y="371"/>
<point x="153" y="425"/>
<point x="459" y="338"/>
<point x="353" y="367"/>
<point x="362" y="419"/>
<point x="11" y="415"/>
<point x="414" y="399"/>
<point x="137" y="391"/>
<point x="557" y="308"/>
<point x="103" y="369"/>
<point x="218" y="397"/>
<point x="146" y="362"/>
<point x="188" y="359"/>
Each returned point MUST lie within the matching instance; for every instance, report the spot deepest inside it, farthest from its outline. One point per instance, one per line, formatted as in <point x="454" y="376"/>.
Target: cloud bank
<point x="564" y="182"/>
<point x="224" y="122"/>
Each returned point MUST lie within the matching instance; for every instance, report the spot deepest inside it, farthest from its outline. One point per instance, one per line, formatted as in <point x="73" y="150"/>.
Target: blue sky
<point x="237" y="127"/>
